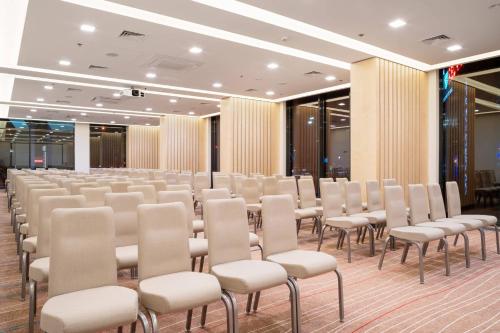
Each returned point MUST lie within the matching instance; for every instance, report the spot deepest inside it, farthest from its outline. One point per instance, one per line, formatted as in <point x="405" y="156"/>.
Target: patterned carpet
<point x="391" y="300"/>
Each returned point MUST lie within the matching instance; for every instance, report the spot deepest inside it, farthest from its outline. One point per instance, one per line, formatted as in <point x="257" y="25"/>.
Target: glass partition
<point x="108" y="145"/>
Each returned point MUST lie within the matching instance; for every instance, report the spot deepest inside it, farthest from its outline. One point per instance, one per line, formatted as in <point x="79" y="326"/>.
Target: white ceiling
<point x="52" y="32"/>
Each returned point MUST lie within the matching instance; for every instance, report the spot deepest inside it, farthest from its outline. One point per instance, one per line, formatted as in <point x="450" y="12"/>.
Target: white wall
<point x="433" y="126"/>
<point x="82" y="147"/>
<point x="487" y="142"/>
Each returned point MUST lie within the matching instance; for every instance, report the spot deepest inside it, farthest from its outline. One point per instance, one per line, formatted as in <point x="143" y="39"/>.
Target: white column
<point x="433" y="126"/>
<point x="282" y="142"/>
<point x="82" y="147"/>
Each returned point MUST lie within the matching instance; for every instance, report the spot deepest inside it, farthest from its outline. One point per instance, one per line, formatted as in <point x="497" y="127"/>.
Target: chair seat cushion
<point x="346" y="221"/>
<point x="23" y="228"/>
<point x="371" y="217"/>
<point x="21" y="218"/>
<point x="126" y="256"/>
<point x="487" y="220"/>
<point x="417" y="234"/>
<point x="304" y="213"/>
<point x="39" y="270"/>
<point x="447" y="227"/>
<point x="304" y="264"/>
<point x="198" y="225"/>
<point x="90" y="310"/>
<point x="319" y="210"/>
<point x="254" y="239"/>
<point x="198" y="247"/>
<point x="179" y="291"/>
<point x="248" y="276"/>
<point x="470" y="224"/>
<point x="379" y="215"/>
<point x="29" y="244"/>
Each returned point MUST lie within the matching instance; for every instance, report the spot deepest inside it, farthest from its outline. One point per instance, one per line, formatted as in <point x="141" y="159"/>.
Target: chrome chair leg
<point x="144" y="321"/>
<point x="455" y="241"/>
<point x="424" y="248"/>
<point x="32" y="306"/>
<point x="405" y="253"/>
<point x="133" y="326"/>
<point x="372" y="239"/>
<point x="188" y="320"/>
<point x="294" y="304"/>
<point x="341" y="295"/>
<point x="154" y="321"/>
<point x="232" y="311"/>
<point x="348" y="236"/>
<point x="497" y="238"/>
<point x="446" y="257"/>
<point x="249" y="303"/>
<point x="203" y="315"/>
<point x="381" y="260"/>
<point x="321" y="235"/>
<point x="120" y="329"/>
<point x="466" y="249"/>
<point x="256" y="301"/>
<point x="420" y="261"/>
<point x="193" y="263"/>
<point x="483" y="244"/>
<point x="24" y="274"/>
<point x="261" y="251"/>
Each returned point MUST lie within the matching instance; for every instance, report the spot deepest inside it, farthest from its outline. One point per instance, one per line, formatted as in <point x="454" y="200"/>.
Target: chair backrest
<point x="160" y="185"/>
<point x="307" y="192"/>
<point x="327" y="180"/>
<point x="179" y="187"/>
<point x="75" y="187"/>
<point x="180" y="196"/>
<point x="288" y="186"/>
<point x="47" y="205"/>
<point x="186" y="178"/>
<point x="137" y="181"/>
<point x="211" y="194"/>
<point x="95" y="195"/>
<point x="171" y="178"/>
<point x="149" y="192"/>
<point x="125" y="215"/>
<point x="278" y="224"/>
<point x="306" y="177"/>
<point x="331" y="199"/>
<point x="104" y="182"/>
<point x="34" y="186"/>
<point x="222" y="181"/>
<point x="342" y="182"/>
<point x="250" y="191"/>
<point x="390" y="182"/>
<point x="353" y="201"/>
<point x="201" y="181"/>
<point x="83" y="255"/>
<point x="32" y="213"/>
<point x="163" y="240"/>
<point x="270" y="186"/>
<point x="238" y="183"/>
<point x="453" y="199"/>
<point x="395" y="207"/>
<point x="120" y="187"/>
<point x="436" y="203"/>
<point x="224" y="217"/>
<point x="373" y="196"/>
<point x="419" y="204"/>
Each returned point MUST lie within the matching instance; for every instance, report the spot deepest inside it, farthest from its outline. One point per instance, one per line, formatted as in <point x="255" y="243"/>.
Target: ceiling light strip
<point x="465" y="60"/>
<point x="266" y="16"/>
<point x="144" y="15"/>
<point x="313" y="92"/>
<point x="210" y="115"/>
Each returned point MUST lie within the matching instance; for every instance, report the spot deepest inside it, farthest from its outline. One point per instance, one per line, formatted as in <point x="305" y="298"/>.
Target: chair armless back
<point x="124" y="207"/>
<point x="160" y="185"/>
<point x="32" y="214"/>
<point x="180" y="196"/>
<point x="353" y="203"/>
<point x="278" y="224"/>
<point x="211" y="194"/>
<point x="436" y="203"/>
<point x="395" y="207"/>
<point x="453" y="199"/>
<point x="179" y="187"/>
<point x="75" y="187"/>
<point x="163" y="239"/>
<point x="120" y="187"/>
<point x="149" y="192"/>
<point x="250" y="191"/>
<point x="289" y="186"/>
<point x="95" y="196"/>
<point x="419" y="204"/>
<point x="331" y="199"/>
<point x="307" y="192"/>
<point x="270" y="185"/>
<point x="373" y="196"/>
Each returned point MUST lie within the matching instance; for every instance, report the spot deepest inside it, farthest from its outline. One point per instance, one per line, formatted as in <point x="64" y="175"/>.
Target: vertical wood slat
<point x="142" y="147"/>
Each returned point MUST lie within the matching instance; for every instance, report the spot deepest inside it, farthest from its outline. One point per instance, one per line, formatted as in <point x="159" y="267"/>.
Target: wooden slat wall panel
<point x="246" y="140"/>
<point x="180" y="143"/>
<point x="142" y="147"/>
<point x="402" y="123"/>
<point x="305" y="140"/>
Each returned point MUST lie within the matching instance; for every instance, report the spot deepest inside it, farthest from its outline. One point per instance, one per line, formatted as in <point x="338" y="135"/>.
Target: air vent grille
<point x="97" y="67"/>
<point x="129" y="34"/>
<point x="313" y="73"/>
<point x="434" y="39"/>
<point x="251" y="90"/>
<point x="63" y="102"/>
<point x="73" y="89"/>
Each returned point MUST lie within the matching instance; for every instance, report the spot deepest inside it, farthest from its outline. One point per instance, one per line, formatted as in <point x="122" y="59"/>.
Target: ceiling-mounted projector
<point x="132" y="93"/>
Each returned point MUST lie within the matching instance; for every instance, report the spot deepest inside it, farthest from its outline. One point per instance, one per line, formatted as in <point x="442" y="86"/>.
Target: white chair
<point x="251" y="194"/>
<point x="270" y="186"/>
<point x="95" y="196"/>
<point x="222" y="181"/>
<point x="398" y="228"/>
<point x="149" y="192"/>
<point x="375" y="205"/>
<point x="288" y="186"/>
<point x="160" y="185"/>
<point x="281" y="247"/>
<point x="179" y="187"/>
<point x="120" y="187"/>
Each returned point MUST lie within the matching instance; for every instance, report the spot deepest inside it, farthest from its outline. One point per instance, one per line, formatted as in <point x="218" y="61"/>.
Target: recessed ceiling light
<point x="191" y="112"/>
<point x="73" y="119"/>
<point x="40" y="99"/>
<point x="126" y="117"/>
<point x="64" y="62"/>
<point x="48" y="87"/>
<point x="99" y="105"/>
<point x="29" y="117"/>
<point x="341" y="104"/>
<point x="112" y="122"/>
<point x="61" y="125"/>
<point x="147" y="124"/>
<point x="116" y="94"/>
<point x="83" y="114"/>
<point x="272" y="65"/>
<point x="330" y="78"/>
<point x="173" y="100"/>
<point x="454" y="48"/>
<point x="217" y="85"/>
<point x="33" y="110"/>
<point x="398" y="23"/>
<point x="57" y="129"/>
<point x="149" y="109"/>
<point x="196" y="50"/>
<point x="269" y="93"/>
<point x="476" y="110"/>
<point x="151" y="75"/>
<point x="342" y="119"/>
<point x="87" y="28"/>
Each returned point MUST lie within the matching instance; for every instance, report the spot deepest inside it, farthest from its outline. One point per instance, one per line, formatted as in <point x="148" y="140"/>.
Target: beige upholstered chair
<point x="39" y="268"/>
<point x="333" y="217"/>
<point x="238" y="184"/>
<point x="375" y="205"/>
<point x="288" y="186"/>
<point x="281" y="247"/>
<point x="84" y="295"/>
<point x="75" y="187"/>
<point x="201" y="182"/>
<point x="354" y="205"/>
<point x="165" y="282"/>
<point x="125" y="216"/>
<point x="149" y="192"/>
<point x="95" y="195"/>
<point x="398" y="228"/>
<point x="270" y="186"/>
<point x="390" y="182"/>
<point x="186" y="178"/>
<point x="120" y="187"/>
<point x="172" y="178"/>
<point x="438" y="214"/>
<point x="308" y="200"/>
<point x="419" y="216"/>
<point x="198" y="247"/>
<point x="160" y="185"/>
<point x="222" y="181"/>
<point x="455" y="211"/>
<point x="223" y="193"/>
<point x="325" y="180"/>
<point x="230" y="261"/>
<point x="251" y="194"/>
<point x="179" y="187"/>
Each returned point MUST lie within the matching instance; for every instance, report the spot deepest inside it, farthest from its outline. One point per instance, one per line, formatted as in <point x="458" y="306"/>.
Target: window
<point x="108" y="146"/>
